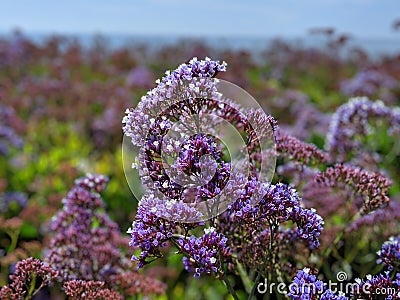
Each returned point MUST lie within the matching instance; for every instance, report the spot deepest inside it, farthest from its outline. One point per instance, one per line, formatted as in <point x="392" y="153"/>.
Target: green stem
<point x="230" y="288"/>
<point x="244" y="277"/>
<point x="32" y="286"/>
<point x="225" y="279"/>
<point x="14" y="240"/>
<point x="253" y="290"/>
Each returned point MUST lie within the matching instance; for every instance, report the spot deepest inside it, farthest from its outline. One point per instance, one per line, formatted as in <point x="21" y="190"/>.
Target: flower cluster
<point x="293" y="148"/>
<point x="86" y="246"/>
<point x="92" y="182"/>
<point x="151" y="230"/>
<point x="90" y="290"/>
<point x="305" y="285"/>
<point x="387" y="217"/>
<point x="280" y="204"/>
<point x="139" y="76"/>
<point x="373" y="186"/>
<point x="370" y="82"/>
<point x="204" y="252"/>
<point x="138" y="122"/>
<point x="169" y="210"/>
<point x="133" y="283"/>
<point x="380" y="284"/>
<point x="9" y="198"/>
<point x="352" y="120"/>
<point x="27" y="273"/>
<point x="8" y="137"/>
<point x="175" y="104"/>
<point x="389" y="255"/>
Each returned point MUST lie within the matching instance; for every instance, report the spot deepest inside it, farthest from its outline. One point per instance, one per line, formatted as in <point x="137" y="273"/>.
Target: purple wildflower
<point x="8" y="137"/>
<point x="80" y="289"/>
<point x="388" y="216"/>
<point x="85" y="244"/>
<point x="152" y="227"/>
<point x="305" y="286"/>
<point x="8" y="198"/>
<point x="372" y="286"/>
<point x="176" y="122"/>
<point x="28" y="272"/>
<point x="330" y="295"/>
<point x="373" y="186"/>
<point x="140" y="76"/>
<point x="204" y="252"/>
<point x="370" y="82"/>
<point x="351" y="120"/>
<point x="280" y="204"/>
<point x="389" y="255"/>
<point x="92" y="182"/>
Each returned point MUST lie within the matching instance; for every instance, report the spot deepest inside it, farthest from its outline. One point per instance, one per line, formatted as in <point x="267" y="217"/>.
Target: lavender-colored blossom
<point x="389" y="255"/>
<point x="85" y="244"/>
<point x="305" y="285"/>
<point x="92" y="182"/>
<point x="187" y="103"/>
<point x="372" y="286"/>
<point x="137" y="121"/>
<point x="140" y="76"/>
<point x="280" y="204"/>
<point x="199" y="172"/>
<point x="152" y="227"/>
<point x="351" y="120"/>
<point x="8" y="198"/>
<point x="373" y="186"/>
<point x="8" y="137"/>
<point x="204" y="252"/>
<point x="388" y="217"/>
<point x="370" y="82"/>
<point x="330" y="295"/>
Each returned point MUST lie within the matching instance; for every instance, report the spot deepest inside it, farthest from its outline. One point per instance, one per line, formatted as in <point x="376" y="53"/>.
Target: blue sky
<point x="268" y="18"/>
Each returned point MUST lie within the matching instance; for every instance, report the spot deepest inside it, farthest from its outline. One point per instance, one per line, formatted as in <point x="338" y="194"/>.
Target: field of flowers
<point x="71" y="228"/>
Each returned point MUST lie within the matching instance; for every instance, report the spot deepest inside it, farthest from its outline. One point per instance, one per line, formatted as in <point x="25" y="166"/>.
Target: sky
<point x="225" y="18"/>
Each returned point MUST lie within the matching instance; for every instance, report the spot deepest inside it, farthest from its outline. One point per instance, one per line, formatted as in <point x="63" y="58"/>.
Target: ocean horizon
<point x="374" y="47"/>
